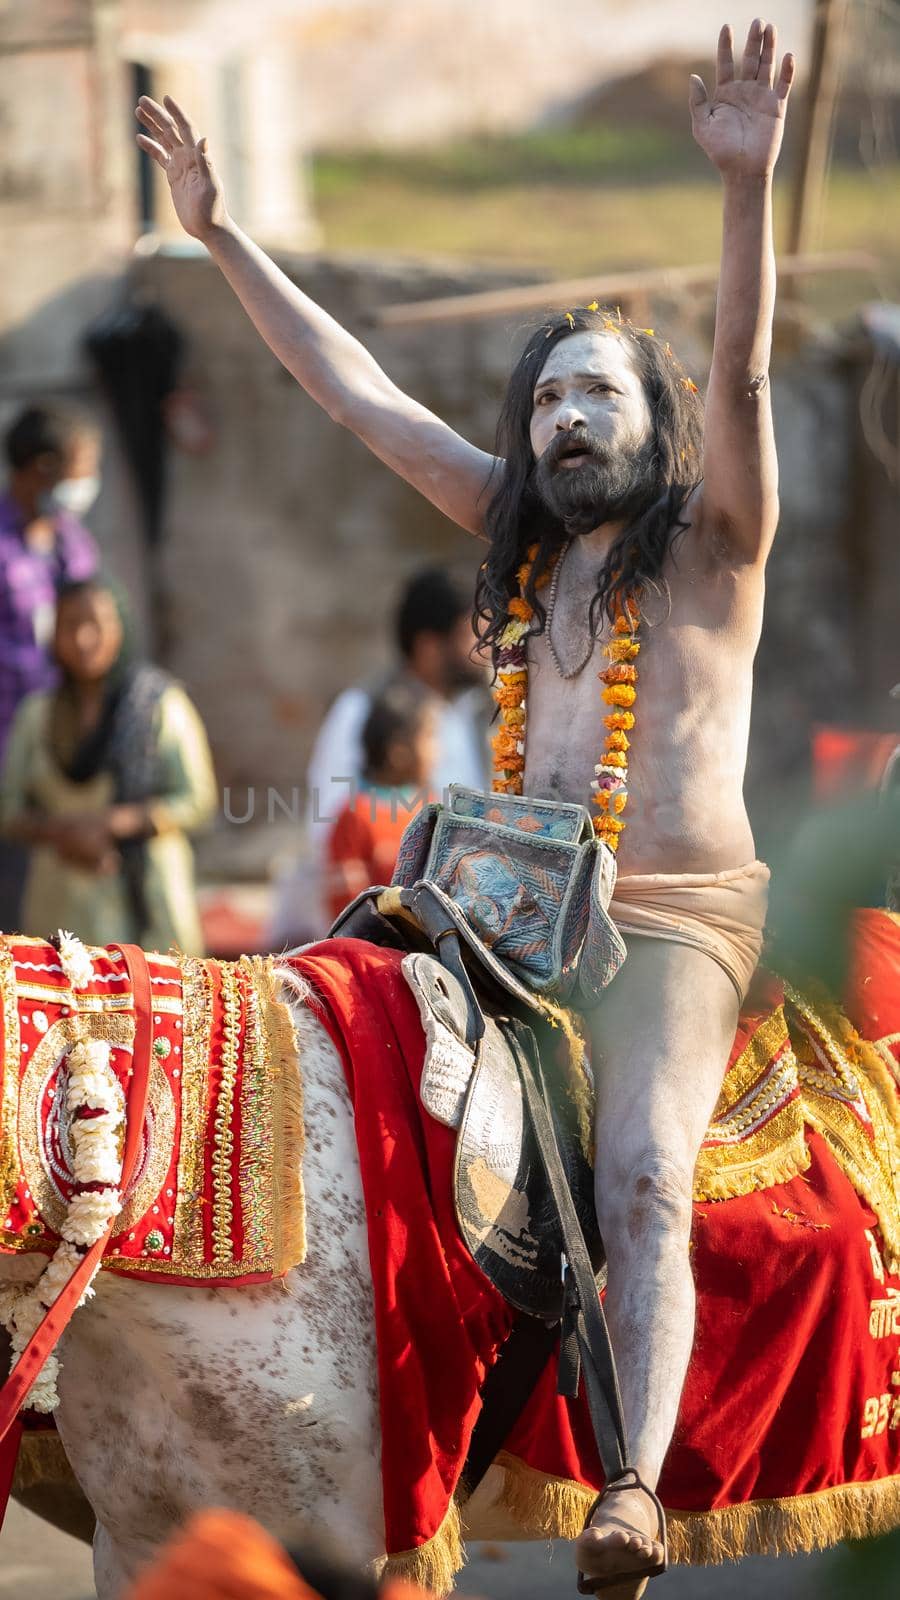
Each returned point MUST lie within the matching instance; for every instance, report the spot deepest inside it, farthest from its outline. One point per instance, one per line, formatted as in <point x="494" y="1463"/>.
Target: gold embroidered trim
<point x="159" y="1132"/>
<point x="192" y="1271"/>
<point x="556" y="1508"/>
<point x="223" y="1134"/>
<point x="886" y="1054"/>
<point x="9" y="1075"/>
<point x="282" y="1053"/>
<point x="757" y="1136"/>
<point x="257" y="1127"/>
<point x="85" y="1003"/>
<point x="839" y="1070"/>
<point x="187" y="1245"/>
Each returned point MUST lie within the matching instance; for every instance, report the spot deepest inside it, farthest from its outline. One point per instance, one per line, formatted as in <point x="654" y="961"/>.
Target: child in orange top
<point x="398" y="741"/>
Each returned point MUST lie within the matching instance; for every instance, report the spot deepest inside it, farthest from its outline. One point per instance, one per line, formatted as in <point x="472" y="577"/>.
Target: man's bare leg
<point x="661" y="1039"/>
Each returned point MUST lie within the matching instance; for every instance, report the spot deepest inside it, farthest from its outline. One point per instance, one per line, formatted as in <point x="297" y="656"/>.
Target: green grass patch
<point x="574" y="156"/>
<point x="566" y="204"/>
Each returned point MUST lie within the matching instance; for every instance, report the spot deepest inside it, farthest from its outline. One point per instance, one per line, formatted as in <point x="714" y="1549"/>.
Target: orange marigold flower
<point x="612" y="826"/>
<point x="622" y="649"/>
<point x="518" y="676"/>
<point x="614" y="758"/>
<point x="623" y="720"/>
<point x="505" y="741"/>
<point x="619" y="672"/>
<point x="611" y="802"/>
<point x="627" y="607"/>
<point x="511" y="696"/>
<point x="620" y="694"/>
<point x="520" y="608"/>
<point x="514" y="717"/>
<point x="617" y="741"/>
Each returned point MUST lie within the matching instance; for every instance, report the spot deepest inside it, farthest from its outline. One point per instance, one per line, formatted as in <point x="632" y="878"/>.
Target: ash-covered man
<point x="647" y="507"/>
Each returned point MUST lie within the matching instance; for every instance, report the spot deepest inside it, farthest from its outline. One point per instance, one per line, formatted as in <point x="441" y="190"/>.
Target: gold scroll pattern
<point x="851" y="1100"/>
<point x="9" y="1067"/>
<point x="757" y="1135"/>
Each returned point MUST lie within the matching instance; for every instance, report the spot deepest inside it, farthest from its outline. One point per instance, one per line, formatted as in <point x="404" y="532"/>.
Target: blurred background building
<point x="393" y="152"/>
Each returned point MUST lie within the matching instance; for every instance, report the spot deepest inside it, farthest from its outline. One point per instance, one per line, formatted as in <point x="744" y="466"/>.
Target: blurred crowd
<point x="107" y="774"/>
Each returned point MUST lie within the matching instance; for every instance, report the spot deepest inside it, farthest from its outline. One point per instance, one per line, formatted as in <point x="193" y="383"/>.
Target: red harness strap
<point x="46" y="1335"/>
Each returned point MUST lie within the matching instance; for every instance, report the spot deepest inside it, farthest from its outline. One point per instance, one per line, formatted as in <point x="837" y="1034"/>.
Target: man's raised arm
<point x="333" y="367"/>
<point x="740" y="127"/>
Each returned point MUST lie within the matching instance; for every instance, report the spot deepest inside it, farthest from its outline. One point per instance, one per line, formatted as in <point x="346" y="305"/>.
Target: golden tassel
<point x="556" y="1508"/>
<point x="786" y="1161"/>
<point x="542" y="1507"/>
<point x="434" y="1564"/>
<point x="787" y="1526"/>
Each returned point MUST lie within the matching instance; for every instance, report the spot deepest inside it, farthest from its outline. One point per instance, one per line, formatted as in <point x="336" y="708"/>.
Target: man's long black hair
<point x="516" y="518"/>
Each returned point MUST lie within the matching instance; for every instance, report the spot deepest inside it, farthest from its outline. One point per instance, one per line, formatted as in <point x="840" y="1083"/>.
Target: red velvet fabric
<point x="788" y="1391"/>
<point x="439" y="1323"/>
<point x="873" y="988"/>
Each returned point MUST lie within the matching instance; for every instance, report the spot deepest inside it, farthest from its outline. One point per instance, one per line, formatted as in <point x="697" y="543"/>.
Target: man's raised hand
<point x="197" y="193"/>
<point x="740" y="125"/>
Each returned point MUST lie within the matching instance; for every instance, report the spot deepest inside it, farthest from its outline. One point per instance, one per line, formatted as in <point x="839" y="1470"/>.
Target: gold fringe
<point x="288" y="1125"/>
<point x="760" y="1172"/>
<point x="556" y="1508"/>
<point x="785" y="1527"/>
<point x="433" y="1565"/>
<point x="542" y="1507"/>
<point x="42" y="1459"/>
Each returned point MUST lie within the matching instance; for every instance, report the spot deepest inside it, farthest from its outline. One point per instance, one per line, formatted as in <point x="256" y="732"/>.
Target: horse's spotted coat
<point x="261" y="1398"/>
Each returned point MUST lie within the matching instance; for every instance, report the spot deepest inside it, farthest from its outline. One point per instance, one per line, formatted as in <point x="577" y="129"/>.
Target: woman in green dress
<point x="105" y="778"/>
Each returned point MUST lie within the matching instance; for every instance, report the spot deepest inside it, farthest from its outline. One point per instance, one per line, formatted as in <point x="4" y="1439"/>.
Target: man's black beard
<point x="610" y="487"/>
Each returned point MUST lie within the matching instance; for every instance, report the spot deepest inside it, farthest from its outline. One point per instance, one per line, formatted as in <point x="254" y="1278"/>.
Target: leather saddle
<point x="504" y="1203"/>
<point x="504" y="1077"/>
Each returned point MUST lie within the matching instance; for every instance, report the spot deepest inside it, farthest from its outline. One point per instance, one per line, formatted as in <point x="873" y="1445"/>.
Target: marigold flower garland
<point x="95" y="1110"/>
<point x="610" y="784"/>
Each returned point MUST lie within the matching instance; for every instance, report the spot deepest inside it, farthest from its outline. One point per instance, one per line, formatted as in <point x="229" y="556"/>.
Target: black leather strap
<point x="440" y="928"/>
<point x="507" y="1390"/>
<point x="595" y="1349"/>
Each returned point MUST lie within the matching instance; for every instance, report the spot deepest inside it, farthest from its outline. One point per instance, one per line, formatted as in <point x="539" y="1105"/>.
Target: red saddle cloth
<point x="789" y="1431"/>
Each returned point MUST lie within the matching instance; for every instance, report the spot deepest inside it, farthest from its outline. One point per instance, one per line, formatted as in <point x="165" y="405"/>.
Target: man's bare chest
<point x="564" y="726"/>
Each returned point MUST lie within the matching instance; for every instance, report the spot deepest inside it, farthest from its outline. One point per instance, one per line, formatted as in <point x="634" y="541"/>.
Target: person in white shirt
<point x="435" y="642"/>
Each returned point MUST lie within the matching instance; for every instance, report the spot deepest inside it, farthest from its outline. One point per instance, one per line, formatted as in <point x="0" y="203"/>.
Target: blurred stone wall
<point x="66" y="182"/>
<point x="286" y="544"/>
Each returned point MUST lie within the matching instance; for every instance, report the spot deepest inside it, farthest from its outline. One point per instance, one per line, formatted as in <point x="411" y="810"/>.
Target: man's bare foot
<point x="624" y="1537"/>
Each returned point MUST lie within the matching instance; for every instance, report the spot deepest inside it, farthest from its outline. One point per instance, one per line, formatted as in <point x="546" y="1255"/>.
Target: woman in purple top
<point x="53" y="456"/>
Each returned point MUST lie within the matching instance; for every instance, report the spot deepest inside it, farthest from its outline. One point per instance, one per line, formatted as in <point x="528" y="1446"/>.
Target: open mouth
<point x="574" y="456"/>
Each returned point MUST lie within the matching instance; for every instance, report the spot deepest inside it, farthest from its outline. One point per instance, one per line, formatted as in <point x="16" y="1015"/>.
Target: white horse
<point x="264" y="1399"/>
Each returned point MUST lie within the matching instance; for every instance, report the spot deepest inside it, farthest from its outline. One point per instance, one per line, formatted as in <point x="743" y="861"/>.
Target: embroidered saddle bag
<point x="528" y="884"/>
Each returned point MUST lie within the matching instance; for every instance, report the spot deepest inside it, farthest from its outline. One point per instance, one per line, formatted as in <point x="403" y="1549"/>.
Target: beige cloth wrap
<point x="720" y="913"/>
